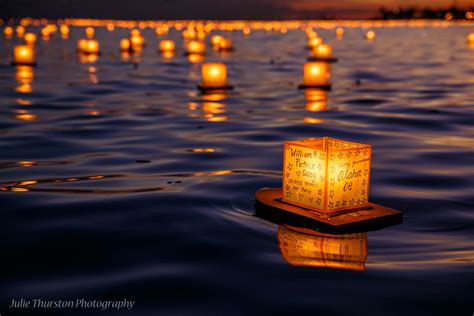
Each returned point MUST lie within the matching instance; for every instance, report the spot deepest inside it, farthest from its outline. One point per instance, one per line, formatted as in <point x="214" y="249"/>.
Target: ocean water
<point x="121" y="181"/>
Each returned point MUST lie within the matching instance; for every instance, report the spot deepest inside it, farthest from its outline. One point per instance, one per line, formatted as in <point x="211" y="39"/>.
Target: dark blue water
<point x="122" y="181"/>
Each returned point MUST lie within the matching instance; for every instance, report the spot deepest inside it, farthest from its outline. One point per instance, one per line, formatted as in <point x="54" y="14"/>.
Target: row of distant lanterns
<point x="214" y="75"/>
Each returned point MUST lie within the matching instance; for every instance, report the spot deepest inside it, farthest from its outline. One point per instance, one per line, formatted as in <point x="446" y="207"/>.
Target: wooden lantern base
<point x="213" y="89"/>
<point x="24" y="64"/>
<point x="374" y="216"/>
<point x="326" y="87"/>
<point x="324" y="60"/>
<point x="199" y="54"/>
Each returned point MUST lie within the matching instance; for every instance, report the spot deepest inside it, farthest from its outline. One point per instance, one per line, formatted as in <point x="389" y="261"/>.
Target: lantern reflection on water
<point x="305" y="247"/>
<point x="317" y="100"/>
<point x="24" y="75"/>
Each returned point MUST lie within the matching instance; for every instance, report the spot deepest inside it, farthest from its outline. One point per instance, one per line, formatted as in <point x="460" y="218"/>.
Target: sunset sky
<point x="211" y="9"/>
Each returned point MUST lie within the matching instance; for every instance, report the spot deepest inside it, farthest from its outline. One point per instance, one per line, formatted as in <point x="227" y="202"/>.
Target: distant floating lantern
<point x="216" y="40"/>
<point x="110" y="27"/>
<point x="64" y="30"/>
<point x="322" y="52"/>
<point x="225" y="45"/>
<point x="316" y="75"/>
<point x="325" y="179"/>
<point x="195" y="47"/>
<point x="167" y="46"/>
<point x="88" y="46"/>
<point x="306" y="247"/>
<point x="45" y="33"/>
<point x="125" y="45"/>
<point x="470" y="39"/>
<point x="137" y="41"/>
<point x="89" y="31"/>
<point x="214" y="77"/>
<point x="20" y="31"/>
<point x="30" y="39"/>
<point x="339" y="32"/>
<point x="246" y="31"/>
<point x="195" y="58"/>
<point x="24" y="55"/>
<point x="370" y="35"/>
<point x="8" y="31"/>
<point x="314" y="42"/>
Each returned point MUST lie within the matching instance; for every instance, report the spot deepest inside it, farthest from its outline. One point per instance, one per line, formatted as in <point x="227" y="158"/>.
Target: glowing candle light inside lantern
<point x="30" y="39"/>
<point x="23" y="55"/>
<point x="305" y="247"/>
<point x="167" y="46"/>
<point x="214" y="75"/>
<point x="124" y="44"/>
<point x="89" y="32"/>
<point x="370" y="35"/>
<point x="316" y="74"/>
<point x="195" y="47"/>
<point x="339" y="32"/>
<point x="8" y="31"/>
<point x="326" y="174"/>
<point x="323" y="51"/>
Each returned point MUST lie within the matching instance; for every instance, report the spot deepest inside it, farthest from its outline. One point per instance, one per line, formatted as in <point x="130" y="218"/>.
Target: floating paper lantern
<point x="322" y="52"/>
<point x="195" y="47"/>
<point x="470" y="39"/>
<point x="339" y="32"/>
<point x="88" y="46"/>
<point x="110" y="27"/>
<point x="314" y="42"/>
<point x="45" y="33"/>
<point x="24" y="55"/>
<point x="20" y="31"/>
<point x="216" y="40"/>
<point x="316" y="75"/>
<point x="214" y="77"/>
<point x="137" y="41"/>
<point x="8" y="31"/>
<point x="125" y="45"/>
<point x="370" y="35"/>
<point x="30" y="39"/>
<point x="89" y="31"/>
<point x="225" y="45"/>
<point x="64" y="30"/>
<point x="167" y="46"/>
<point x="326" y="174"/>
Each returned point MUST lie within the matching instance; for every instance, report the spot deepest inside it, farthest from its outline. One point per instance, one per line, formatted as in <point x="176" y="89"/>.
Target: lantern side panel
<point x="304" y="175"/>
<point x="348" y="178"/>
